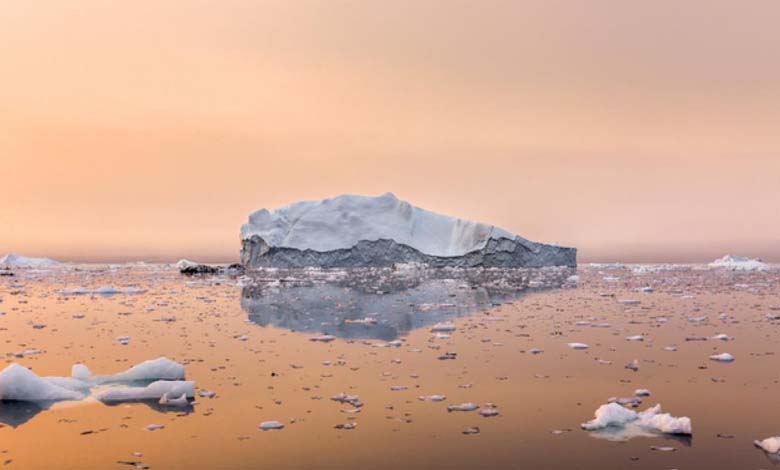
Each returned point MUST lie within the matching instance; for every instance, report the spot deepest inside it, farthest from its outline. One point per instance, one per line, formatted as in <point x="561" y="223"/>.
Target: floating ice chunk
<point x="670" y="348"/>
<point x="161" y="368"/>
<point x="463" y="407"/>
<point x="611" y="414"/>
<point x="154" y="427"/>
<point x="179" y="402"/>
<point x="633" y="365"/>
<point x="629" y="301"/>
<point x="471" y="430"/>
<point x="635" y="338"/>
<point x="535" y="351"/>
<point x="642" y="392"/>
<point x="722" y="337"/>
<point x="578" y="345"/>
<point x="323" y="338"/>
<point x="722" y="357"/>
<point x="153" y="391"/>
<point x="770" y="444"/>
<point x="21" y="384"/>
<point x="185" y="263"/>
<point x="271" y="425"/>
<point x="207" y="394"/>
<point x="353" y="400"/>
<point x="443" y="327"/>
<point x="123" y="340"/>
<point x="652" y="419"/>
<point x="432" y="398"/>
<point x="347" y="426"/>
<point x="739" y="263"/>
<point x="488" y="412"/>
<point x="80" y="372"/>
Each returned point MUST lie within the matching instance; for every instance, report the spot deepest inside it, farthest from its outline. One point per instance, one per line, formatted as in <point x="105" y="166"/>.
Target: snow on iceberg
<point x="739" y="263"/>
<point x="620" y="423"/>
<point x="19" y="261"/>
<point x="19" y="383"/>
<point x="351" y="230"/>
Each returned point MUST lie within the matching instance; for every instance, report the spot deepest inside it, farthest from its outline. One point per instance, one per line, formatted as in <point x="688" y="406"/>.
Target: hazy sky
<point x="642" y="131"/>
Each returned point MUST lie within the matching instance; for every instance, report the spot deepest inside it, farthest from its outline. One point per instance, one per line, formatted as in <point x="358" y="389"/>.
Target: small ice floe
<point x="471" y="430"/>
<point x="647" y="290"/>
<point x="448" y="356"/>
<point x="353" y="400"/>
<point x="207" y="394"/>
<point x="770" y="445"/>
<point x="671" y="348"/>
<point x="123" y="340"/>
<point x="722" y="357"/>
<point x="626" y="401"/>
<point x="578" y="345"/>
<point x="663" y="448"/>
<point x="635" y="338"/>
<point x="346" y="426"/>
<point x="619" y="423"/>
<point x="154" y="427"/>
<point x="488" y="412"/>
<point x="242" y="337"/>
<point x="443" y="328"/>
<point x="270" y="426"/>
<point x="535" y="351"/>
<point x="432" y="398"/>
<point x="642" y="392"/>
<point x="696" y="338"/>
<point x="629" y="301"/>
<point x="322" y="338"/>
<point x="463" y="407"/>
<point x="19" y="383"/>
<point x="633" y="365"/>
<point x="398" y="388"/>
<point x="582" y="323"/>
<point x="773" y="316"/>
<point x="362" y="321"/>
<point x="722" y="337"/>
<point x="153" y="391"/>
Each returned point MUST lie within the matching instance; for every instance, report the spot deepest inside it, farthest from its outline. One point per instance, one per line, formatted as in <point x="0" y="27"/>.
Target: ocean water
<point x="278" y="345"/>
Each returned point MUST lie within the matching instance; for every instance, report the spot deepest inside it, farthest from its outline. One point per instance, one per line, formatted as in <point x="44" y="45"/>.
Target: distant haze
<point x="635" y="131"/>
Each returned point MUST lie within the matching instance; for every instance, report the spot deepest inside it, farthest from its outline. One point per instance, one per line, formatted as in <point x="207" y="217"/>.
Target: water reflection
<point x="16" y="413"/>
<point x="374" y="303"/>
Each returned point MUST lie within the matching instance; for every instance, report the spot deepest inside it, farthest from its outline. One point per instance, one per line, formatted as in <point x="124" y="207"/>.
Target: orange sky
<point x="637" y="131"/>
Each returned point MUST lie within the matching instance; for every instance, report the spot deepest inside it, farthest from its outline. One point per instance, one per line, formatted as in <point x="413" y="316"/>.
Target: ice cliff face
<point x="379" y="231"/>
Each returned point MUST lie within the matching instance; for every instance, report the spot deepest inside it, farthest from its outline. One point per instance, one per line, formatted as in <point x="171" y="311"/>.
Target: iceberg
<point x="739" y="263"/>
<point x="161" y="368"/>
<point x="18" y="261"/>
<point x="357" y="231"/>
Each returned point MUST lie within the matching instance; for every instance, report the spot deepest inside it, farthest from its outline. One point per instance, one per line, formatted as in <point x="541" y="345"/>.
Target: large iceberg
<point x="19" y="261"/>
<point x="350" y="231"/>
<point x="739" y="263"/>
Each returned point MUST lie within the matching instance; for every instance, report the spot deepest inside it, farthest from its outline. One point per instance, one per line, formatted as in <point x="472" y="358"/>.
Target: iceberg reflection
<point x="384" y="303"/>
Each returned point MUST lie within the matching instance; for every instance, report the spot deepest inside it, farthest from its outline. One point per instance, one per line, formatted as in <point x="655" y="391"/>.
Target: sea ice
<point x="722" y="357"/>
<point x="270" y="425"/>
<point x="739" y="263"/>
<point x="770" y="444"/>
<point x="578" y="345"/>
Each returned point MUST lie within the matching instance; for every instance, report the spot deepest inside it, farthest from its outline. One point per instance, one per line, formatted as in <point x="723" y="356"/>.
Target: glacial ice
<point x="770" y="444"/>
<point x="19" y="383"/>
<point x="625" y="423"/>
<point x="341" y="222"/>
<point x="161" y="368"/>
<point x="739" y="263"/>
<point x="18" y="261"/>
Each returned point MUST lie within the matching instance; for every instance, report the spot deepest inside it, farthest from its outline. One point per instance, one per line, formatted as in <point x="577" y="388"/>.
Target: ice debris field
<point x="609" y="365"/>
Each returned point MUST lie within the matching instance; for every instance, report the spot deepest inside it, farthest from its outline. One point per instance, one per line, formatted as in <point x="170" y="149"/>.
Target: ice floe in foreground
<point x="18" y="383"/>
<point x="616" y="422"/>
<point x="770" y="444"/>
<point x="18" y="261"/>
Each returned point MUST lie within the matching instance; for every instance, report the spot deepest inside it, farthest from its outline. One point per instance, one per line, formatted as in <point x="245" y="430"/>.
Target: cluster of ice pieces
<point x="18" y="383"/>
<point x="625" y="423"/>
